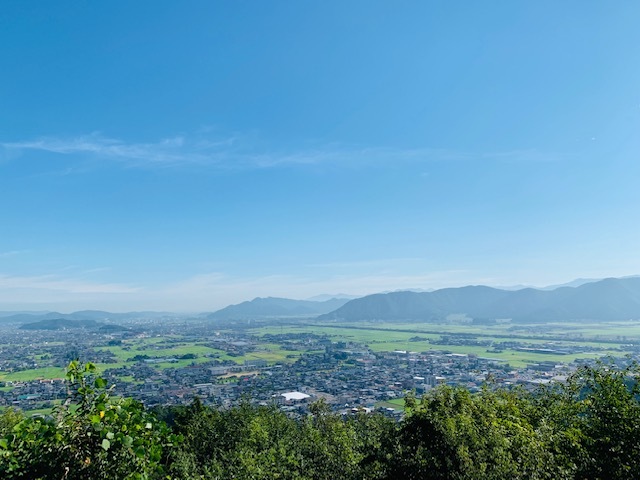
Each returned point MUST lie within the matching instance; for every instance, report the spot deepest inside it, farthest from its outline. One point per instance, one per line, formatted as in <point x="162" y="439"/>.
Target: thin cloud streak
<point x="382" y="262"/>
<point x="198" y="293"/>
<point x="169" y="151"/>
<point x="215" y="290"/>
<point x="12" y="253"/>
<point x="61" y="284"/>
<point x="233" y="153"/>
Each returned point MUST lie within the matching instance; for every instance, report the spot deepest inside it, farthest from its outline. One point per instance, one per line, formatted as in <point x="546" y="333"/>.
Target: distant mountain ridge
<point x="96" y="315"/>
<point x="22" y="312"/>
<point x="578" y="282"/>
<point x="276" y="307"/>
<point x="605" y="300"/>
<point x="67" y="324"/>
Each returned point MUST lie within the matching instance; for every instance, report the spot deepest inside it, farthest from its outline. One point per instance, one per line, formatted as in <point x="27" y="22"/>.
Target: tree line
<point x="585" y="428"/>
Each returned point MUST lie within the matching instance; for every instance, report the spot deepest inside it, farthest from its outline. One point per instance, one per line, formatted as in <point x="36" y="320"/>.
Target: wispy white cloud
<point x="223" y="153"/>
<point x="201" y="292"/>
<point x="61" y="284"/>
<point x="168" y="151"/>
<point x="379" y="262"/>
<point x="237" y="152"/>
<point x="12" y="253"/>
<point x="216" y="290"/>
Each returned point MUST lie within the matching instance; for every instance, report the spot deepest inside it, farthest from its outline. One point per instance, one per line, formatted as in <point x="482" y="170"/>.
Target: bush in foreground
<point x="92" y="436"/>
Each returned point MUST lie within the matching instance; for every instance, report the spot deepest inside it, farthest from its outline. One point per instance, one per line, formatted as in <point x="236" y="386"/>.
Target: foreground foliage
<point x="93" y="435"/>
<point x="588" y="428"/>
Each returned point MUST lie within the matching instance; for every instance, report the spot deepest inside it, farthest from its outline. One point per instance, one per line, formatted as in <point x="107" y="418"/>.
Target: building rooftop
<point x="294" y="396"/>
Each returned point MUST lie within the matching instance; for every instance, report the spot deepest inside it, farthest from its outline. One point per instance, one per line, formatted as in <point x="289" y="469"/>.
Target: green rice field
<point x="387" y="337"/>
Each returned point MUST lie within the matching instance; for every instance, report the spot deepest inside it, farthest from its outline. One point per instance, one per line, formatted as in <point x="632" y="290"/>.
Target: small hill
<point x="113" y="328"/>
<point x="276" y="307"/>
<point x="60" y="324"/>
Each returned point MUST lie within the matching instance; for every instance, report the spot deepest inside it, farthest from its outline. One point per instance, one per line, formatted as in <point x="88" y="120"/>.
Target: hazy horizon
<point x="66" y="308"/>
<point x="184" y="157"/>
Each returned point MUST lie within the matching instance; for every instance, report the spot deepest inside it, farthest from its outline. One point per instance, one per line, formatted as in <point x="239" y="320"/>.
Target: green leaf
<point x="106" y="444"/>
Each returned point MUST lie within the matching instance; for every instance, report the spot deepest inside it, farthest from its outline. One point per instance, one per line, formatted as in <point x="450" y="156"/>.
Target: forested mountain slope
<point x="606" y="300"/>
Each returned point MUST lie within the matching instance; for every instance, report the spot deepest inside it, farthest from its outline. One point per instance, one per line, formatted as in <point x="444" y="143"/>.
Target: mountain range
<point x="599" y="300"/>
<point x="605" y="300"/>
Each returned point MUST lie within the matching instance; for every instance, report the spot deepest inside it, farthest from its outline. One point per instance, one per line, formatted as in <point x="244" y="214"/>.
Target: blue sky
<point x="187" y="155"/>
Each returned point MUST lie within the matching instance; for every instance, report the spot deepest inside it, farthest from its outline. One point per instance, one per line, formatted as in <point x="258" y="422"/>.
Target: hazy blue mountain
<point x="276" y="307"/>
<point x="573" y="283"/>
<point x="579" y="282"/>
<point x="96" y="315"/>
<point x="31" y="317"/>
<point x="22" y="312"/>
<point x="604" y="300"/>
